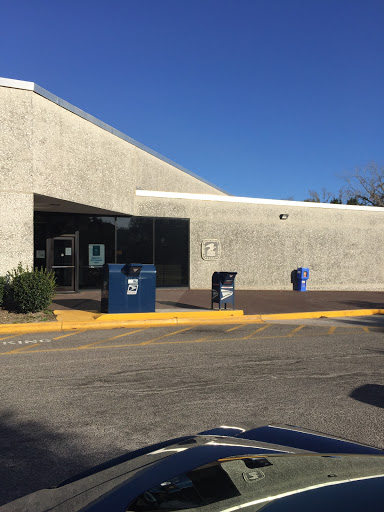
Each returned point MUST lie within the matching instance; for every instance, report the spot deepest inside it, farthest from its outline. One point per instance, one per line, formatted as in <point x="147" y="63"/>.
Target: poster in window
<point x="96" y="255"/>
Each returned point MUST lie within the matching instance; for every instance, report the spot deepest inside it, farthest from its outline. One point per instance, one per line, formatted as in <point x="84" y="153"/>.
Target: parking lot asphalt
<point x="72" y="400"/>
<point x="26" y="344"/>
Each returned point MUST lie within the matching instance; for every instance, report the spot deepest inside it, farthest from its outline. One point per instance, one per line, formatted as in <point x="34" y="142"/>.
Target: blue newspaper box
<point x="302" y="275"/>
<point x="129" y="288"/>
<point x="223" y="289"/>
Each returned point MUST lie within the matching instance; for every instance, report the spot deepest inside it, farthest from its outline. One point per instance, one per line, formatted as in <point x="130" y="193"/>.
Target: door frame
<point x="75" y="260"/>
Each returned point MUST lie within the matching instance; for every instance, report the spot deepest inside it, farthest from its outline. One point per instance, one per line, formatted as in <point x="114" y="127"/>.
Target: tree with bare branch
<point x="324" y="197"/>
<point x="364" y="186"/>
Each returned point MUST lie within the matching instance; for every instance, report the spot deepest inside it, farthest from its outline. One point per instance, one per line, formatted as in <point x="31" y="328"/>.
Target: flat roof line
<point x="31" y="86"/>
<point x="254" y="200"/>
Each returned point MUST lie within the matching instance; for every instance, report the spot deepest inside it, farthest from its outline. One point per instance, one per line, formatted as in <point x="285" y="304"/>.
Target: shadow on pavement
<point x="372" y="394"/>
<point x="376" y="321"/>
<point x="365" y="304"/>
<point x="81" y="304"/>
<point x="33" y="457"/>
<point x="180" y="305"/>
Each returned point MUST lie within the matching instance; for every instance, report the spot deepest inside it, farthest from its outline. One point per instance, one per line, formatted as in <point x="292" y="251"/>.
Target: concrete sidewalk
<point x="193" y="307"/>
<point x="252" y="302"/>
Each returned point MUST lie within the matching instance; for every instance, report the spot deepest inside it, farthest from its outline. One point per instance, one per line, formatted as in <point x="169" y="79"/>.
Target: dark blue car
<point x="227" y="469"/>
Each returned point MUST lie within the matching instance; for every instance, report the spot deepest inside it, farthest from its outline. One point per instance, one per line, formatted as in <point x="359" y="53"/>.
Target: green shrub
<point x="29" y="291"/>
<point x="2" y="289"/>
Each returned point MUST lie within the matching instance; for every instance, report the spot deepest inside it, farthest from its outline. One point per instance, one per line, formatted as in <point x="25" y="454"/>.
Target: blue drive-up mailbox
<point x="129" y="288"/>
<point x="302" y="275"/>
<point x="223" y="289"/>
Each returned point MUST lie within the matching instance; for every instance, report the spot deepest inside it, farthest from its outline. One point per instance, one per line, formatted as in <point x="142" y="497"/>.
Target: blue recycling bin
<point x="302" y="275"/>
<point x="129" y="288"/>
<point x="223" y="289"/>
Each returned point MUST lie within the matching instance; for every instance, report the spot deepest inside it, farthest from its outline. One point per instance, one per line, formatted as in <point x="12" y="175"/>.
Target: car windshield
<point x="257" y="482"/>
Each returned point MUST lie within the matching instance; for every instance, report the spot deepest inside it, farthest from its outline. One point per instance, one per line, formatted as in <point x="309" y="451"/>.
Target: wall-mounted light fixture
<point x="283" y="216"/>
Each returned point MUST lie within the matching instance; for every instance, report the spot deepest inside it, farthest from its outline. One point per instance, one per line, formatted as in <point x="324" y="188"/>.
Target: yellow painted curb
<point x="30" y="328"/>
<point x="86" y="316"/>
<point x="141" y="320"/>
<point x="166" y="322"/>
<point x="70" y="315"/>
<point x="170" y="314"/>
<point x="322" y="314"/>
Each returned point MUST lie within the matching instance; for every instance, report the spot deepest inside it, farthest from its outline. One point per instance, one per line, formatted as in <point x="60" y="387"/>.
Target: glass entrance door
<point x="63" y="262"/>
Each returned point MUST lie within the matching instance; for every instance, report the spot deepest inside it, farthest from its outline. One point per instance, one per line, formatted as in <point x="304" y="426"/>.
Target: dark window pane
<point x="40" y="239"/>
<point x="97" y="246"/>
<point x="64" y="277"/>
<point x="202" y="486"/>
<point x="134" y="240"/>
<point x="50" y="225"/>
<point x="175" y="494"/>
<point x="172" y="252"/>
<point x="63" y="253"/>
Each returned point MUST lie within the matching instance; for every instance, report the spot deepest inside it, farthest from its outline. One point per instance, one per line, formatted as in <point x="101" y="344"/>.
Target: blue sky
<point x="264" y="98"/>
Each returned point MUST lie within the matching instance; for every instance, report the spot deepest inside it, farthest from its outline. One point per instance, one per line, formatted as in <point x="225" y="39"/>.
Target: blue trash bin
<point x="302" y="275"/>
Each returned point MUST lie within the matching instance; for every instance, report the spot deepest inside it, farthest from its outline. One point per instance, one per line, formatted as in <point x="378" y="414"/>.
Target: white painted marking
<point x="24" y="342"/>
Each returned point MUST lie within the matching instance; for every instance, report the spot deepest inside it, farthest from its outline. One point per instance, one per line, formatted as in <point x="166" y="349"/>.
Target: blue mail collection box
<point x="302" y="275"/>
<point x="223" y="289"/>
<point x="129" y="288"/>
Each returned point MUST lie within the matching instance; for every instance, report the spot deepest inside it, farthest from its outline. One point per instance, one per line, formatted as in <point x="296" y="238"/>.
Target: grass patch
<point x="7" y="317"/>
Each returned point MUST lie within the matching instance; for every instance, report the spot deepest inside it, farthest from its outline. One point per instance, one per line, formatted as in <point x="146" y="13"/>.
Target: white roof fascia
<point x="17" y="84"/>
<point x="254" y="200"/>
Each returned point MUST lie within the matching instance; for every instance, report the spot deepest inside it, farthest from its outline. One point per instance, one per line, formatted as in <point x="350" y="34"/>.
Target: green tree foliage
<point x="2" y="289"/>
<point x="29" y="291"/>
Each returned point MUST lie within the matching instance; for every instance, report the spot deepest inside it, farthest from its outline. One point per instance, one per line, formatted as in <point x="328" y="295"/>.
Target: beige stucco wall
<point x="48" y="150"/>
<point x="16" y="230"/>
<point x="45" y="149"/>
<point x="54" y="152"/>
<point x="342" y="248"/>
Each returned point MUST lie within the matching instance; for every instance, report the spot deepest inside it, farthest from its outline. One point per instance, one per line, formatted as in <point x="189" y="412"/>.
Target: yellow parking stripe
<point x="108" y="339"/>
<point x="7" y="337"/>
<point x="70" y="334"/>
<point x="292" y="333"/>
<point x="165" y="342"/>
<point x="234" y="328"/>
<point x="207" y="339"/>
<point x="21" y="349"/>
<point x="257" y="330"/>
<point x="166" y="335"/>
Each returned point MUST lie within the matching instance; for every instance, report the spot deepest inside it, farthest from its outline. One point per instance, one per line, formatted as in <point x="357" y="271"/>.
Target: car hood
<point x="139" y="470"/>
